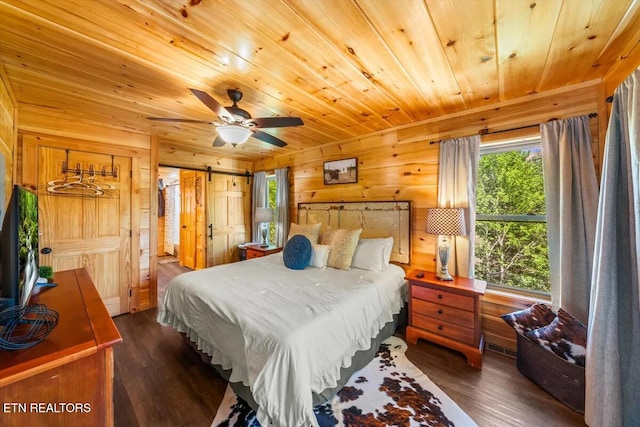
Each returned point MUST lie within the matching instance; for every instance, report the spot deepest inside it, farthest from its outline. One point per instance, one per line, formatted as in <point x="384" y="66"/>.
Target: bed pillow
<point x="319" y="255"/>
<point x="311" y="231"/>
<point x="536" y="316"/>
<point x="297" y="252"/>
<point x="565" y="336"/>
<point x="343" y="244"/>
<point x="372" y="254"/>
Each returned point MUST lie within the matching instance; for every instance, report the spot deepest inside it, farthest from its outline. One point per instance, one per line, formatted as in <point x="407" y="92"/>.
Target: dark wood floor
<point x="160" y="381"/>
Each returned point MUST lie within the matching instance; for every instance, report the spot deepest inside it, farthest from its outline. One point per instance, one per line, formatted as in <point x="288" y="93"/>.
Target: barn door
<point x="85" y="219"/>
<point x="192" y="227"/>
<point x="227" y="218"/>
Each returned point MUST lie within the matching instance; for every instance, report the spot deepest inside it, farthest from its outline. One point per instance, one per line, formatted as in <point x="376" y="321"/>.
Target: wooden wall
<point x="75" y="133"/>
<point x="8" y="135"/>
<point x="146" y="152"/>
<point x="171" y="154"/>
<point x="402" y="164"/>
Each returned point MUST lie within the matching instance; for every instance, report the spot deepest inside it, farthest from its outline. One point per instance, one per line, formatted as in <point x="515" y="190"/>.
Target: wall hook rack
<point x="91" y="171"/>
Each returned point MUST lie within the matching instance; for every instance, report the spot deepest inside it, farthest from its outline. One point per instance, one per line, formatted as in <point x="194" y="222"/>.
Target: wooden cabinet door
<point x="228" y="214"/>
<point x="84" y="228"/>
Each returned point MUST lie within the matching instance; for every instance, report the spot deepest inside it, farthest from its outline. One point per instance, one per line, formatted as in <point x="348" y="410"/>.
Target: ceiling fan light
<point x="234" y="134"/>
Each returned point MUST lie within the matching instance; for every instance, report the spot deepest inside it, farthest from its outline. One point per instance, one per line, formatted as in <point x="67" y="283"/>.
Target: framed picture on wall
<point x="343" y="171"/>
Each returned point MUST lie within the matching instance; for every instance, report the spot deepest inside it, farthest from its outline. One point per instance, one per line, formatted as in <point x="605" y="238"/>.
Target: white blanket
<point x="284" y="333"/>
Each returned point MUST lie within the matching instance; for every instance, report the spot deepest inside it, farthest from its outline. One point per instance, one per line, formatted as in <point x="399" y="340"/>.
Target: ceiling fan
<point x="236" y="125"/>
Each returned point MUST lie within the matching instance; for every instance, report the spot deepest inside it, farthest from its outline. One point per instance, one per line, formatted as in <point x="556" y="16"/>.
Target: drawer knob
<point x="439" y="311"/>
<point x="439" y="296"/>
<point x="439" y="327"/>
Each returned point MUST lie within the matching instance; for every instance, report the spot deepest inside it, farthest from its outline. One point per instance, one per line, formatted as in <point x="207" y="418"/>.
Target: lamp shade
<point x="446" y="221"/>
<point x="264" y="215"/>
<point x="234" y="134"/>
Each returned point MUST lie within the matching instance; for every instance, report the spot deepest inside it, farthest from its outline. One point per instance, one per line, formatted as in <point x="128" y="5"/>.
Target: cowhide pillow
<point x="534" y="317"/>
<point x="565" y="336"/>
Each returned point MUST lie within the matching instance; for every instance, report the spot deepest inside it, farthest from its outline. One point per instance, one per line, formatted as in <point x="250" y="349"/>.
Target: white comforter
<point x="284" y="333"/>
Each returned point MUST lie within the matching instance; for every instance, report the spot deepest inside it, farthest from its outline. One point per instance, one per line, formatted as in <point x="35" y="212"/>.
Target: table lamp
<point x="264" y="215"/>
<point x="445" y="222"/>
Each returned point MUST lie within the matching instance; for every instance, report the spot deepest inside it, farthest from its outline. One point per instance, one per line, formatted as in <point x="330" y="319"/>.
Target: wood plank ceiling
<point x="346" y="67"/>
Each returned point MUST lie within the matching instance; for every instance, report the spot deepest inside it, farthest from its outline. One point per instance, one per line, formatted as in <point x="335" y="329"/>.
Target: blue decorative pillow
<point x="297" y="252"/>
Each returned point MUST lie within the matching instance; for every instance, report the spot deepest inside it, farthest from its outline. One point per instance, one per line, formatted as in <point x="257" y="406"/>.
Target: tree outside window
<point x="511" y="231"/>
<point x="271" y="190"/>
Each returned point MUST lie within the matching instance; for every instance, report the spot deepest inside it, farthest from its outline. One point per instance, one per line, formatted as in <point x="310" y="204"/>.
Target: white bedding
<point x="284" y="333"/>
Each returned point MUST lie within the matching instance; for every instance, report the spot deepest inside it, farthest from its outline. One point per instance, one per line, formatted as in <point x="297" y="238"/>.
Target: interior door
<point x="192" y="219"/>
<point x="187" y="252"/>
<point x="228" y="214"/>
<point x="86" y="227"/>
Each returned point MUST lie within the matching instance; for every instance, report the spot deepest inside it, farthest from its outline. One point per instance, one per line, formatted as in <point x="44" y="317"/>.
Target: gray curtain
<point x="613" y="350"/>
<point x="259" y="200"/>
<point x="282" y="206"/>
<point x="457" y="181"/>
<point x="571" y="194"/>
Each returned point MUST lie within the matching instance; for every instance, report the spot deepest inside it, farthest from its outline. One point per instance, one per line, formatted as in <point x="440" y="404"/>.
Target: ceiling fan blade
<point x="211" y="103"/>
<point x="162" y="119"/>
<point x="269" y="139"/>
<point x="277" y="122"/>
<point x="218" y="142"/>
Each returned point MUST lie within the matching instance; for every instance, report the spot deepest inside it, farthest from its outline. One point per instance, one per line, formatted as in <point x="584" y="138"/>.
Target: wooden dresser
<point x="448" y="313"/>
<point x="67" y="379"/>
<point x="257" y="251"/>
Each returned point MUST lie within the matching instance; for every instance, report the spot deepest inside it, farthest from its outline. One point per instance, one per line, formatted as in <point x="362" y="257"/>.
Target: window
<point x="271" y="191"/>
<point x="511" y="230"/>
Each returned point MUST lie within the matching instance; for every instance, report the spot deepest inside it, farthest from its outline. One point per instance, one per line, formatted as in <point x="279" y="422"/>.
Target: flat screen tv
<point x="19" y="248"/>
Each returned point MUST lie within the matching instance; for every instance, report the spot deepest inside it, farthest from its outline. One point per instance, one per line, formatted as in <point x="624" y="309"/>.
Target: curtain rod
<point x="486" y="131"/>
<point x="210" y="171"/>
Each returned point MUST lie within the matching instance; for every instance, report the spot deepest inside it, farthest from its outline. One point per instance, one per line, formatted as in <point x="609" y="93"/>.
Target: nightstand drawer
<point x="254" y="254"/>
<point x="257" y="251"/>
<point x="443" y="313"/>
<point x="441" y="297"/>
<point x="445" y="329"/>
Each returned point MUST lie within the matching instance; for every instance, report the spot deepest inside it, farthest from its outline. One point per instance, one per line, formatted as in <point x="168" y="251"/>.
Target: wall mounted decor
<point x="343" y="171"/>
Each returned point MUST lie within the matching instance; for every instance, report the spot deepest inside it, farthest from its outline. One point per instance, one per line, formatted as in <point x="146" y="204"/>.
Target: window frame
<point x="501" y="146"/>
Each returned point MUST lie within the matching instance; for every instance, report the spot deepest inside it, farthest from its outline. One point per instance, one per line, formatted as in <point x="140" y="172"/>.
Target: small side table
<point x="257" y="251"/>
<point x="448" y="313"/>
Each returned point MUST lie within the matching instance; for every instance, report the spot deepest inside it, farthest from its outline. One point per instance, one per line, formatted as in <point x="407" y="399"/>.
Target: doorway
<point x="168" y="215"/>
<point x="202" y="216"/>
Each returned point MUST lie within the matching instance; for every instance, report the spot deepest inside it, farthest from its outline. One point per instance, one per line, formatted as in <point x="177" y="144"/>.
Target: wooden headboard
<point x="377" y="219"/>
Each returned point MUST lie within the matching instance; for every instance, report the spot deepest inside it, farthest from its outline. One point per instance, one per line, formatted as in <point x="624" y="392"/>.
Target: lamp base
<point x="443" y="253"/>
<point x="444" y="276"/>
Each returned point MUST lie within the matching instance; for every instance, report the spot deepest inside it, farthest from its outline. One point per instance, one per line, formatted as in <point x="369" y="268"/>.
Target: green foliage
<point x="510" y="183"/>
<point x="45" y="271"/>
<point x="271" y="202"/>
<point x="512" y="253"/>
<point x="27" y="226"/>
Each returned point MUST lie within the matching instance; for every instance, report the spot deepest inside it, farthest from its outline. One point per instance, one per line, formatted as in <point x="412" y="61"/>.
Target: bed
<point x="292" y="337"/>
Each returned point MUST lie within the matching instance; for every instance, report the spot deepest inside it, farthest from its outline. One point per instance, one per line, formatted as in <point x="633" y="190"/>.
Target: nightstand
<point x="448" y="313"/>
<point x="257" y="251"/>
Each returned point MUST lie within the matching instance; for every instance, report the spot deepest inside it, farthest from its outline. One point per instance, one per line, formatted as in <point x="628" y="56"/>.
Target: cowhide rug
<point x="389" y="391"/>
